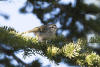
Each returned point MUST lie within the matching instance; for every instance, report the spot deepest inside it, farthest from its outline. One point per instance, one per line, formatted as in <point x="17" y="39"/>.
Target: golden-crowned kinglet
<point x="44" y="32"/>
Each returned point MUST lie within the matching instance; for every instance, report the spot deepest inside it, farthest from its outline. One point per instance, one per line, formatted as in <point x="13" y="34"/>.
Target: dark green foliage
<point x="4" y="15"/>
<point x="76" y="52"/>
<point x="95" y="39"/>
<point x="36" y="63"/>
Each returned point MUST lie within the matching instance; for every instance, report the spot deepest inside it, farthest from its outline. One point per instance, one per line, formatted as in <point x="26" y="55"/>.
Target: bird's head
<point x="52" y="27"/>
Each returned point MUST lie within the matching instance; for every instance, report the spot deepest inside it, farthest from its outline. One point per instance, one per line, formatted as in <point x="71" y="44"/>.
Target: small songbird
<point x="44" y="32"/>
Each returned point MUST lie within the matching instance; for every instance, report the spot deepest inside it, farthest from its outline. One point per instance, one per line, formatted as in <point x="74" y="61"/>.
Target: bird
<point x="44" y="32"/>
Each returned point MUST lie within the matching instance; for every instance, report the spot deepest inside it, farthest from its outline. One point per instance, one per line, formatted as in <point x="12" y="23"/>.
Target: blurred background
<point x="74" y="18"/>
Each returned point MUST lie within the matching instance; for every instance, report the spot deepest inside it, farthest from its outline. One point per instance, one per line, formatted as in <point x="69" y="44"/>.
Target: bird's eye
<point x="51" y="27"/>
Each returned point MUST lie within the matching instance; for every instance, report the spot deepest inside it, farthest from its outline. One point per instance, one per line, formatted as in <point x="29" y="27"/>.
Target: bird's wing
<point x="42" y="28"/>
